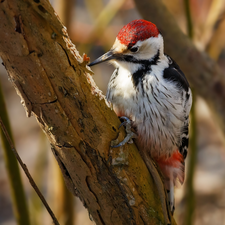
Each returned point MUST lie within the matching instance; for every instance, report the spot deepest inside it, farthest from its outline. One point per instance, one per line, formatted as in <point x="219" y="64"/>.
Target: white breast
<point x="155" y="106"/>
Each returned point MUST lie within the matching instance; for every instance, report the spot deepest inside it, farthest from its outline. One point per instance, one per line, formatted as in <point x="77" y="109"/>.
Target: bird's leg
<point x="130" y="134"/>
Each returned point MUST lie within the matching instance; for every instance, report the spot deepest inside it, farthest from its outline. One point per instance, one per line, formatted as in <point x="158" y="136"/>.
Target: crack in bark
<point x="66" y="55"/>
<point x="88" y="185"/>
<point x="45" y="103"/>
<point x="61" y="163"/>
<point x="42" y="9"/>
<point x="27" y="104"/>
<point x="143" y="220"/>
<point x="67" y="177"/>
<point x="17" y="21"/>
<point x="99" y="215"/>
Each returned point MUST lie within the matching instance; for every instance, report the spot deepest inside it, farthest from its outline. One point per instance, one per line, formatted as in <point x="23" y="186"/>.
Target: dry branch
<point x="26" y="171"/>
<point x="56" y="87"/>
<point x="202" y="72"/>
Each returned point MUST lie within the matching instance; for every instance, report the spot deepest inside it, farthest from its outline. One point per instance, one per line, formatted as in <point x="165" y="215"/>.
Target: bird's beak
<point x="107" y="56"/>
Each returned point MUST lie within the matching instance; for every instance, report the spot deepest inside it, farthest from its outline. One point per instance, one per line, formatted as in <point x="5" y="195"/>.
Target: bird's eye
<point x="134" y="49"/>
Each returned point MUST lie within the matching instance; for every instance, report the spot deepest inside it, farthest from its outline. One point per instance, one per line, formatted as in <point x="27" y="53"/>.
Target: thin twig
<point x="19" y="201"/>
<point x="24" y="167"/>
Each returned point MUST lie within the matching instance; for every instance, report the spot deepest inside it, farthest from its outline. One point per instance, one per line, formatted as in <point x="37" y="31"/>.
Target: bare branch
<point x="26" y="171"/>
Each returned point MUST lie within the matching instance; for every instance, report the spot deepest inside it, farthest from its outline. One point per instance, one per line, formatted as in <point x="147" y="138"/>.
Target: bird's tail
<point x="172" y="169"/>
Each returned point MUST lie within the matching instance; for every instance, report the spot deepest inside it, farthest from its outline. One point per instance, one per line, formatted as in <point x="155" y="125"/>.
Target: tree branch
<point x="56" y="87"/>
<point x="19" y="202"/>
<point x="26" y="171"/>
<point x="202" y="72"/>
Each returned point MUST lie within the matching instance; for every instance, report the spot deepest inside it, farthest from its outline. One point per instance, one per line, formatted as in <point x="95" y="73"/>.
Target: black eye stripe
<point x="134" y="49"/>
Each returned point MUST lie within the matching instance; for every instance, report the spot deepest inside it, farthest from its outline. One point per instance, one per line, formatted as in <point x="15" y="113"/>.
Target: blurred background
<point x="93" y="26"/>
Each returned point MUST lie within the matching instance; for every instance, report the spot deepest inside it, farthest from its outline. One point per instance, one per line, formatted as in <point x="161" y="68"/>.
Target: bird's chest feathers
<point x="127" y="91"/>
<point x="153" y="105"/>
<point x="123" y="86"/>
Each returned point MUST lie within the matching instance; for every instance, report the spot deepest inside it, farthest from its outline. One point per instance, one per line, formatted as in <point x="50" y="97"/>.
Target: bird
<point x="149" y="90"/>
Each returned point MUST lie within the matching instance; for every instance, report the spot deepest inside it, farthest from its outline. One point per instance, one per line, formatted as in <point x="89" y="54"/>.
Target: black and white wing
<point x="174" y="74"/>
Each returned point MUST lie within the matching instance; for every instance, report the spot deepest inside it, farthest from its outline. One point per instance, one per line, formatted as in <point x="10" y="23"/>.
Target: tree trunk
<point x="56" y="87"/>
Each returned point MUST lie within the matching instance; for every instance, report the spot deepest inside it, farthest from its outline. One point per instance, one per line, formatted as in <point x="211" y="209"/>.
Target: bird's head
<point x="137" y="41"/>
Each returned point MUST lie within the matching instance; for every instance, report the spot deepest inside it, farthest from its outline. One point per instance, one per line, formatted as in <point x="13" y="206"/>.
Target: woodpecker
<point x="149" y="89"/>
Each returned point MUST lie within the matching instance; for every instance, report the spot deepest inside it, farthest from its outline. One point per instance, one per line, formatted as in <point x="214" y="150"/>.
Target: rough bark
<point x="56" y="87"/>
<point x="202" y="72"/>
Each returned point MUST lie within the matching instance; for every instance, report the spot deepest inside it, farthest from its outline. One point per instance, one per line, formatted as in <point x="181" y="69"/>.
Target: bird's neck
<point x="137" y="65"/>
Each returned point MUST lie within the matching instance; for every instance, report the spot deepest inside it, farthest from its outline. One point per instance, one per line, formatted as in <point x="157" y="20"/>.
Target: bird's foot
<point x="130" y="134"/>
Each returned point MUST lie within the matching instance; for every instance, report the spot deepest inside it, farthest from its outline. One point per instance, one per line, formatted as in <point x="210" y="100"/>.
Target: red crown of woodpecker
<point x="137" y="30"/>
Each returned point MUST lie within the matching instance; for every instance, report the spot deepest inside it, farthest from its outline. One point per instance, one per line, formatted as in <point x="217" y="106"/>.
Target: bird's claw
<point x="130" y="134"/>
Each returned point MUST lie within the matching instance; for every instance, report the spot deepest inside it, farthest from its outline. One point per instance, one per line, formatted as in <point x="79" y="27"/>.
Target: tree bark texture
<point x="56" y="87"/>
<point x="202" y="72"/>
